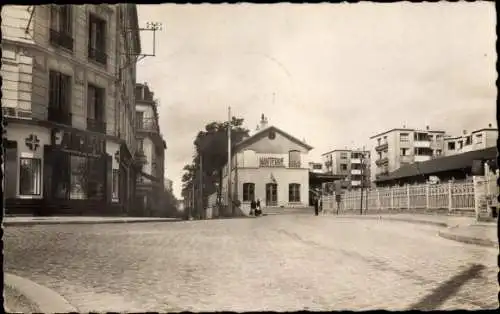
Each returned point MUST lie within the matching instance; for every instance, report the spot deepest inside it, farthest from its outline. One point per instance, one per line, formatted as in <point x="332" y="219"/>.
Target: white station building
<point x="271" y="166"/>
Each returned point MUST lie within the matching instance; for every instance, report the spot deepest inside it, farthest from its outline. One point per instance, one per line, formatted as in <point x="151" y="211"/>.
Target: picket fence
<point x="452" y="196"/>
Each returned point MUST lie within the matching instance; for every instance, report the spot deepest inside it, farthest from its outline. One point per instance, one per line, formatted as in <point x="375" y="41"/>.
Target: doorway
<point x="271" y="194"/>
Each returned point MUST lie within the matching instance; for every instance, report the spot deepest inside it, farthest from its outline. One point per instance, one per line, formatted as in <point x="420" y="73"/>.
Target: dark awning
<point x="442" y="164"/>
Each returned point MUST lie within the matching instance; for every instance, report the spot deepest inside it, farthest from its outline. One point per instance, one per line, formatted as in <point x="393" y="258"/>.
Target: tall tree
<point x="211" y="144"/>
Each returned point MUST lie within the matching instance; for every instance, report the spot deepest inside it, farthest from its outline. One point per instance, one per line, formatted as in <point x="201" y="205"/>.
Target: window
<point x="460" y="144"/>
<point x="404" y="137"/>
<point x="317" y="166"/>
<point x="404" y="151"/>
<point x="139" y="119"/>
<point x="59" y="98"/>
<point x="140" y="145"/>
<point x="78" y="166"/>
<point x="343" y="166"/>
<point x="115" y="184"/>
<point x="86" y="178"/>
<point x="378" y="141"/>
<point x="248" y="192"/>
<point x="438" y="152"/>
<point x="451" y="145"/>
<point x="30" y="176"/>
<point x="97" y="39"/>
<point x="343" y="155"/>
<point x="96" y="109"/>
<point x="468" y="140"/>
<point x="294" y="159"/>
<point x="61" y="26"/>
<point x="294" y="192"/>
<point x="479" y="138"/>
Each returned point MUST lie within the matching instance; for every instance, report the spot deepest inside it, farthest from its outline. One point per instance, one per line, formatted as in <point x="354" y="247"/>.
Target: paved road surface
<point x="275" y="263"/>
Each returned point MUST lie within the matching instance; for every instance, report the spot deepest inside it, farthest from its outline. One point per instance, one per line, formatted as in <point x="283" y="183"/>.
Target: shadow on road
<point x="447" y="289"/>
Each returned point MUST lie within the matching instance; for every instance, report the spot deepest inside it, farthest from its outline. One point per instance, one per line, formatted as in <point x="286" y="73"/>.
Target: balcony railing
<point x="96" y="125"/>
<point x="61" y="39"/>
<point x="294" y="164"/>
<point x="381" y="161"/>
<point x="382" y="146"/>
<point x="59" y="116"/>
<point x="15" y="112"/>
<point x="98" y="55"/>
<point x="147" y="125"/>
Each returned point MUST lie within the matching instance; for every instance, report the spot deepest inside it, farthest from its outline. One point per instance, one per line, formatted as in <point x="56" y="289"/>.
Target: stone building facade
<point x="68" y="103"/>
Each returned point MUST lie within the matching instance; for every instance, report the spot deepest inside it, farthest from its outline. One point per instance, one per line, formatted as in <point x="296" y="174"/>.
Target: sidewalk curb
<point x="379" y="217"/>
<point x="45" y="299"/>
<point x="467" y="240"/>
<point x="83" y="222"/>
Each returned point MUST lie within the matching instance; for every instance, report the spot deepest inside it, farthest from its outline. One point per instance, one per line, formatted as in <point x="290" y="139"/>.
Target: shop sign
<point x="271" y="162"/>
<point x="78" y="143"/>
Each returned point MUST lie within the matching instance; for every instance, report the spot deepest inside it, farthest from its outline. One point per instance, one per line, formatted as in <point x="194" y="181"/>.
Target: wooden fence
<point x="452" y="196"/>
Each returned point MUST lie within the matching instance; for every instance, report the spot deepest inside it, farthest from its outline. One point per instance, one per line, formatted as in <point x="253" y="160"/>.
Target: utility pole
<point x="192" y="200"/>
<point x="229" y="198"/>
<point x="362" y="180"/>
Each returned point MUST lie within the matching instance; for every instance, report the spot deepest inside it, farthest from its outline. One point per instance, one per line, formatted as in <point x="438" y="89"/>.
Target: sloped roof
<point x="262" y="133"/>
<point x="454" y="162"/>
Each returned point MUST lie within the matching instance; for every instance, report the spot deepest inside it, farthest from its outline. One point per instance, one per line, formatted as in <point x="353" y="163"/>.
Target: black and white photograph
<point x="249" y="157"/>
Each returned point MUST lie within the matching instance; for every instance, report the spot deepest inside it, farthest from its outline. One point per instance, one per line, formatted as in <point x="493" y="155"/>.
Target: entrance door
<point x="271" y="194"/>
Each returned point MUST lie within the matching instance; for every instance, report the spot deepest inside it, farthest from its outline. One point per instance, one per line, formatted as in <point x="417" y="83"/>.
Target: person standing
<point x="257" y="208"/>
<point x="316" y="205"/>
<point x="253" y="207"/>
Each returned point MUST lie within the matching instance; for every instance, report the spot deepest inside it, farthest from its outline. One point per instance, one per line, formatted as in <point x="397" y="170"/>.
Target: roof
<point x="346" y="150"/>
<point x="406" y="129"/>
<point x="257" y="136"/>
<point x="454" y="162"/>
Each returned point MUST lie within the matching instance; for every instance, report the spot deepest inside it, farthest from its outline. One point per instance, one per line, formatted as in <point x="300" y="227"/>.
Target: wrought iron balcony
<point x="381" y="161"/>
<point x="96" y="125"/>
<point x="147" y="125"/>
<point x="381" y="147"/>
<point x="294" y="164"/>
<point x="98" y="55"/>
<point x="61" y="39"/>
<point x="59" y="116"/>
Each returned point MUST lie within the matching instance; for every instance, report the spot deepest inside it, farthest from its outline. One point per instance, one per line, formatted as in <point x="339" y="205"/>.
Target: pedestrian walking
<point x="258" y="208"/>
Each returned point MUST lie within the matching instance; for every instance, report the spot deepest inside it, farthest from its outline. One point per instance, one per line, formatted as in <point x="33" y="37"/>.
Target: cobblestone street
<point x="275" y="263"/>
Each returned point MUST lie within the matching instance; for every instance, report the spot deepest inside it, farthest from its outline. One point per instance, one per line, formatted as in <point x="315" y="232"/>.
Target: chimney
<point x="465" y="132"/>
<point x="427" y="127"/>
<point x="263" y="122"/>
<point x="489" y="125"/>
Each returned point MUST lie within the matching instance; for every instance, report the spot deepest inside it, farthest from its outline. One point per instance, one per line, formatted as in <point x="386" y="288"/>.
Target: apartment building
<point x="469" y="141"/>
<point x="352" y="164"/>
<point x="150" y="151"/>
<point x="398" y="147"/>
<point x="68" y="100"/>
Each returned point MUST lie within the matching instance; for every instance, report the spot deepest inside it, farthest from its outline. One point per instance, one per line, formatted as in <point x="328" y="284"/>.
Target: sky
<point x="331" y="74"/>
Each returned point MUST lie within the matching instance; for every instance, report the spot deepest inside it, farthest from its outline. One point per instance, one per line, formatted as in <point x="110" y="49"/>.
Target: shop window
<point x="30" y="176"/>
<point x="248" y="192"/>
<point x="115" y="185"/>
<point x="86" y="178"/>
<point x="78" y="176"/>
<point x="294" y="192"/>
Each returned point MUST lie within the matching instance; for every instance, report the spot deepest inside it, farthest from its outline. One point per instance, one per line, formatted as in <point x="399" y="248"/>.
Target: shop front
<point x="77" y="174"/>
